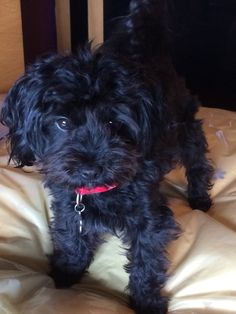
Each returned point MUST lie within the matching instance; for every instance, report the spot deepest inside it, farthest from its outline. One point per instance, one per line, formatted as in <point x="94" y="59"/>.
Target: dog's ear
<point x="13" y="115"/>
<point x="18" y="114"/>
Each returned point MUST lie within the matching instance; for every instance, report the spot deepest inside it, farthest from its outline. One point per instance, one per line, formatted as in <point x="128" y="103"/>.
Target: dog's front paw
<point x="62" y="279"/>
<point x="158" y="306"/>
<point x="151" y="310"/>
<point x="202" y="203"/>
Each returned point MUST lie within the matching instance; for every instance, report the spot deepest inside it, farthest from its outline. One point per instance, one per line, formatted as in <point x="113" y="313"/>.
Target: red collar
<point x="97" y="189"/>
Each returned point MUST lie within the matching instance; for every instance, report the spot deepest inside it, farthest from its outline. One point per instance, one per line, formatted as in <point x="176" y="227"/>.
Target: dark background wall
<point x="204" y="46"/>
<point x="38" y="26"/>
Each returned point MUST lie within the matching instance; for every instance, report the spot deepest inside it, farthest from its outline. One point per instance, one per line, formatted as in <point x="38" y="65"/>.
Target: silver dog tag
<point x="79" y="208"/>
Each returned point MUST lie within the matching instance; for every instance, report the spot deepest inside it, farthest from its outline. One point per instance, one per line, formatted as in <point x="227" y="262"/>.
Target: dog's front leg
<point x="147" y="278"/>
<point x="73" y="252"/>
<point x="148" y="263"/>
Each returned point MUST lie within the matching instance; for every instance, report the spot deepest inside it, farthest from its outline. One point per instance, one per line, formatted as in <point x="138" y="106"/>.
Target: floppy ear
<point x="13" y="116"/>
<point x="19" y="116"/>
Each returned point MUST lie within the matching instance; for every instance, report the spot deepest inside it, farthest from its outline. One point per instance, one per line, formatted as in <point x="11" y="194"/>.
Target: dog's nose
<point x="89" y="173"/>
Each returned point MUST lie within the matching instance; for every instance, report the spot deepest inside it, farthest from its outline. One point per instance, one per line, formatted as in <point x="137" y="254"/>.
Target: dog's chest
<point x="104" y="213"/>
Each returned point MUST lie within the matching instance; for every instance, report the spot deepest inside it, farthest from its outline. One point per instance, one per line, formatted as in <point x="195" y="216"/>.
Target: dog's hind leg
<point x="199" y="171"/>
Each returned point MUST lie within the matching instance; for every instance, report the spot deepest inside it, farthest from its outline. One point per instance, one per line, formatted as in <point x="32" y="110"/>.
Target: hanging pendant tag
<point x="79" y="208"/>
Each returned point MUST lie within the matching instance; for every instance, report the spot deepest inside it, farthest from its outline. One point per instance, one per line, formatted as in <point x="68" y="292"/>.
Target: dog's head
<point x="84" y="120"/>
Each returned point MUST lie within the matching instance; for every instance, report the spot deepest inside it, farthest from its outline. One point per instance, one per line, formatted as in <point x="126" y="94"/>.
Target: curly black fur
<point x="117" y="115"/>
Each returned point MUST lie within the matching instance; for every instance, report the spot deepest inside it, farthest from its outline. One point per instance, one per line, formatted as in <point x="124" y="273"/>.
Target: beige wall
<point x="11" y="40"/>
<point x="11" y="44"/>
<point x="95" y="21"/>
<point x="63" y="26"/>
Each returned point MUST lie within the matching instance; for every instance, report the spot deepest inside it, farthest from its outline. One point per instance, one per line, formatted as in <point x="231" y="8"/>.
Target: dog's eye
<point x="114" y="125"/>
<point x="63" y="124"/>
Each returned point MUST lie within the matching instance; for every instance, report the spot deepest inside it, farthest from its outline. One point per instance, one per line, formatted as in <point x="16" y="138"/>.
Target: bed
<point x="203" y="269"/>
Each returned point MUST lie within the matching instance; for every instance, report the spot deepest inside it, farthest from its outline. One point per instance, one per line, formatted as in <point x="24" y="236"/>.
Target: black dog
<point x="104" y="127"/>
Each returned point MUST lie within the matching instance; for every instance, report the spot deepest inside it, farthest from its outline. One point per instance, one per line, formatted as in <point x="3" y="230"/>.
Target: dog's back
<point x="144" y="33"/>
<point x="144" y="42"/>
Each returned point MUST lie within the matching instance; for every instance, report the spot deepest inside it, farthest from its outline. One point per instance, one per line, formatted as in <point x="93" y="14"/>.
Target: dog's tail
<point x="148" y="26"/>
